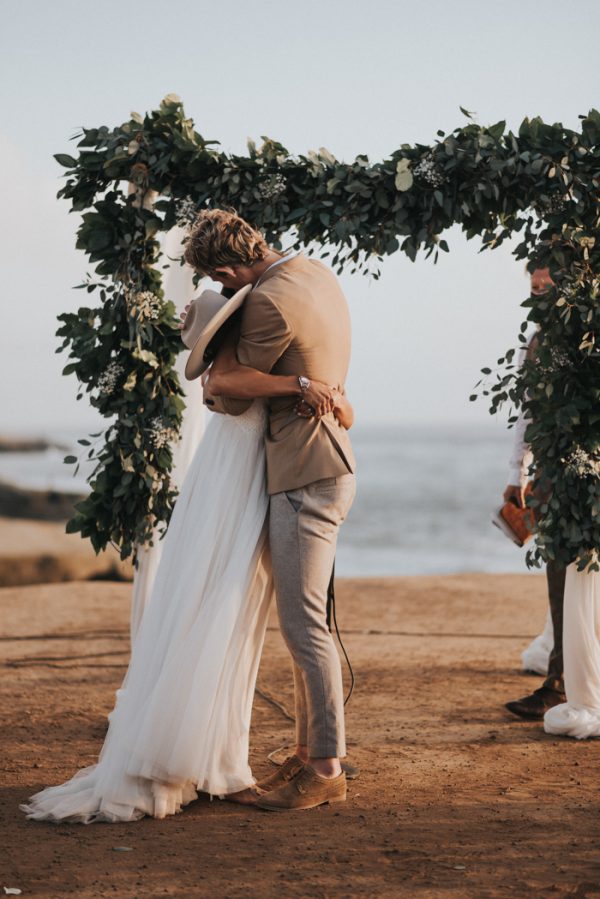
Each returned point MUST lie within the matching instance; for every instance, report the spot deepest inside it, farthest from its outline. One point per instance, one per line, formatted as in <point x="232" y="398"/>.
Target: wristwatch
<point x="304" y="383"/>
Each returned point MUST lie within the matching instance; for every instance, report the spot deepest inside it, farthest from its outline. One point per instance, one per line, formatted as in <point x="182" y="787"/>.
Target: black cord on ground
<point x="332" y="616"/>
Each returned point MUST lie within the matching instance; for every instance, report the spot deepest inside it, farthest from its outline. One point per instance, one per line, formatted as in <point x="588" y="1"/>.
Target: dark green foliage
<point x="543" y="183"/>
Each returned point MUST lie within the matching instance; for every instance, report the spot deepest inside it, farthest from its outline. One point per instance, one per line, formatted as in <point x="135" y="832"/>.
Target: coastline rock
<point x="40" y="552"/>
<point x="41" y="505"/>
<point x="28" y="445"/>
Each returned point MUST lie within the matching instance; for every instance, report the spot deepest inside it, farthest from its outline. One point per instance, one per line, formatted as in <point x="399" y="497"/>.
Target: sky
<point x="355" y="78"/>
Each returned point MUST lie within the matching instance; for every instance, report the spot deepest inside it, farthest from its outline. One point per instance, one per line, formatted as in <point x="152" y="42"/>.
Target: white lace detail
<point x="254" y="420"/>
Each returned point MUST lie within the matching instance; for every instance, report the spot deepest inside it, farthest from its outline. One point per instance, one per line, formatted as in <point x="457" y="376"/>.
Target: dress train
<point x="579" y="716"/>
<point x="182" y="717"/>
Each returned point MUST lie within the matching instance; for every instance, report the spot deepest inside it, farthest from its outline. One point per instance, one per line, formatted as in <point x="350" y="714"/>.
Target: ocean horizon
<point x="425" y="497"/>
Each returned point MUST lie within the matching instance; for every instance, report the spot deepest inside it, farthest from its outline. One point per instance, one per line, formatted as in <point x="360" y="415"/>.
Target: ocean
<point x="425" y="495"/>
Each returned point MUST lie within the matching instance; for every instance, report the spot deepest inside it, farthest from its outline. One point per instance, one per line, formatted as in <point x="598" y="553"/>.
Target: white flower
<point x="429" y="171"/>
<point x="272" y="187"/>
<point x="552" y="204"/>
<point x="144" y="305"/>
<point x="560" y="361"/>
<point x="581" y="463"/>
<point x="109" y="378"/>
<point x="160" y="433"/>
<point x="560" y="358"/>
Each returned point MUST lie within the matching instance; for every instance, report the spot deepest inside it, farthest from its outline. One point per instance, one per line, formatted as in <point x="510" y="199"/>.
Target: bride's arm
<point x="343" y="411"/>
<point x="228" y="377"/>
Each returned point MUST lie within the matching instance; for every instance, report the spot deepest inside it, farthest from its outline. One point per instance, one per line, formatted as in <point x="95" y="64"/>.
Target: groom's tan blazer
<point x="296" y="322"/>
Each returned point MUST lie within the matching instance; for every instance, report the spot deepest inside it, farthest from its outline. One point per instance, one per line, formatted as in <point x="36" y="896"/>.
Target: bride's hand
<point x="182" y="316"/>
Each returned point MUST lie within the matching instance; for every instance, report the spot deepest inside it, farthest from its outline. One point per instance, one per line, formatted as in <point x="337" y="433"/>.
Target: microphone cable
<point x="331" y="617"/>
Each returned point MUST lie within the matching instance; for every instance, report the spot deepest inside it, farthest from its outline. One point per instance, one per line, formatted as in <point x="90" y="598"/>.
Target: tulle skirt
<point x="579" y="716"/>
<point x="182" y="716"/>
<point x="537" y="655"/>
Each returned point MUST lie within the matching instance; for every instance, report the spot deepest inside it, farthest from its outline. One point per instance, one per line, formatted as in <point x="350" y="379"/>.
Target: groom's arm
<point x="229" y="378"/>
<point x="244" y="371"/>
<point x="265" y="334"/>
<point x="264" y="337"/>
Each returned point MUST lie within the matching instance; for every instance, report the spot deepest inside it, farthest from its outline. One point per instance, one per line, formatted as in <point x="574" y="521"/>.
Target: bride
<point x="182" y="716"/>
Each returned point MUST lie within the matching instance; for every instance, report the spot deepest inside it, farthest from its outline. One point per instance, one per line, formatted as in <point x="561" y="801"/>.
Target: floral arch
<point x="542" y="183"/>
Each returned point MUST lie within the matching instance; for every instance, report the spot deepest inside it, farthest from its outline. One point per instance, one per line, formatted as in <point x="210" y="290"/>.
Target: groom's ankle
<point x="302" y="753"/>
<point x="326" y="767"/>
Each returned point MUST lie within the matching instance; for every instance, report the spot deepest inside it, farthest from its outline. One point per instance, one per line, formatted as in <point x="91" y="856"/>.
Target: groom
<point x="296" y="322"/>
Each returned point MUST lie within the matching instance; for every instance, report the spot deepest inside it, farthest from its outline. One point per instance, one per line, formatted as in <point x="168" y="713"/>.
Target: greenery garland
<point x="543" y="183"/>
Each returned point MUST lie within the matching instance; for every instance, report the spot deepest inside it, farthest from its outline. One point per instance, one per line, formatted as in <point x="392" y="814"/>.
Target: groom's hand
<point x="320" y="397"/>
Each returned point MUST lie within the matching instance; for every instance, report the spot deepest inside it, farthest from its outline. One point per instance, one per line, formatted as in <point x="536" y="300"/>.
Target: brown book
<point x="514" y="522"/>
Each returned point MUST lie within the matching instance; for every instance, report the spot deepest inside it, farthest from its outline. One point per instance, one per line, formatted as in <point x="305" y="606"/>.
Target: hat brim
<point x="196" y="364"/>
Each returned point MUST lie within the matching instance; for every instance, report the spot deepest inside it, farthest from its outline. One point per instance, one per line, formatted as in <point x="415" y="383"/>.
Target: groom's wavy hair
<point x="221" y="237"/>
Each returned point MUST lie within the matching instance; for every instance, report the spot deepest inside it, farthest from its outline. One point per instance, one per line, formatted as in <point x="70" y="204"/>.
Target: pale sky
<point x="353" y="77"/>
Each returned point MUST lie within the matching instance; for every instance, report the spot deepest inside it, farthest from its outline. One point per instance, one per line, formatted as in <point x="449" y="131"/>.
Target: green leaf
<point x="67" y="161"/>
<point x="70" y="460"/>
<point x="296" y="214"/>
<point x="496" y="131"/>
<point x="73" y="526"/>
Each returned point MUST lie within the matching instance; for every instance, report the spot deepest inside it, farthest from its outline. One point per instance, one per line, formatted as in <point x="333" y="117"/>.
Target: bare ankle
<point x="302" y="752"/>
<point x="326" y="767"/>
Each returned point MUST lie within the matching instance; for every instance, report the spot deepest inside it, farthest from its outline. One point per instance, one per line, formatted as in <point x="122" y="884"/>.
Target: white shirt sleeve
<point x="521" y="456"/>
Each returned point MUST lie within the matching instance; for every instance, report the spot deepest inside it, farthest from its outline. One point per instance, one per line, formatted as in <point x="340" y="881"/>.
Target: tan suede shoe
<point x="283" y="775"/>
<point x="306" y="790"/>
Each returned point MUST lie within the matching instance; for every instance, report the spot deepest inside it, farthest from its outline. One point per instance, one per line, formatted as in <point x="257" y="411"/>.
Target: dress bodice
<point x="253" y="420"/>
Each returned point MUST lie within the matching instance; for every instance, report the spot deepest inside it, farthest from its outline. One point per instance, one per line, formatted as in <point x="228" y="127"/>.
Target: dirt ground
<point x="456" y="798"/>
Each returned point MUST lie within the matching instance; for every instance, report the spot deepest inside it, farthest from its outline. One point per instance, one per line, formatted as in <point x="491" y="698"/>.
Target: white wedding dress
<point x="536" y="656"/>
<point x="178" y="285"/>
<point x="182" y="716"/>
<point x="579" y="716"/>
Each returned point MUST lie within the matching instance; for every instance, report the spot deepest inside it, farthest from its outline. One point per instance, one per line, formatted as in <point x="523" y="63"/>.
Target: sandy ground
<point x="456" y="798"/>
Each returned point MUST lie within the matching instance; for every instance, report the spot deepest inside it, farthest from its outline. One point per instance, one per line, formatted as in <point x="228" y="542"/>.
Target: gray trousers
<point x="303" y="529"/>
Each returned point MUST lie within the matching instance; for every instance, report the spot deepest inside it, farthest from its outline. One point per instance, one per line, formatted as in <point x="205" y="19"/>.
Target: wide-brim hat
<point x="207" y="313"/>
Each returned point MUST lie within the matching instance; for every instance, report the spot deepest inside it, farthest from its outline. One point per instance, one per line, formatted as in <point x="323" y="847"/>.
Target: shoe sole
<point x="304" y="808"/>
<point x="524" y="716"/>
